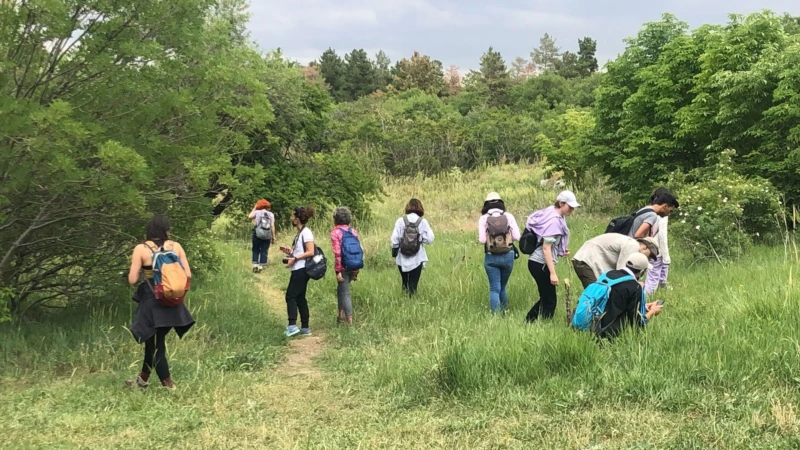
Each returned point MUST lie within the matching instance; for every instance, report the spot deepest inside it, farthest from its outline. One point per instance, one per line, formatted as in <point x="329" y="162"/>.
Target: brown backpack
<point x="498" y="234"/>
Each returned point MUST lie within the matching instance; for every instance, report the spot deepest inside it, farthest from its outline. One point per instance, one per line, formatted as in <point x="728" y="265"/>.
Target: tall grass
<point x="718" y="369"/>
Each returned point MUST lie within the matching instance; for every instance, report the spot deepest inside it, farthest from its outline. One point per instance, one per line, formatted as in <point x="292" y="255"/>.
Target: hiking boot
<point x="291" y="330"/>
<point x="305" y="331"/>
<point x="137" y="382"/>
<point x="255" y="269"/>
<point x="169" y="384"/>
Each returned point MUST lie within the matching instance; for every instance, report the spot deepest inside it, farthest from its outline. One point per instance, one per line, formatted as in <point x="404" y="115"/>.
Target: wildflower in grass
<point x="697" y="227"/>
<point x="725" y="200"/>
<point x="699" y="208"/>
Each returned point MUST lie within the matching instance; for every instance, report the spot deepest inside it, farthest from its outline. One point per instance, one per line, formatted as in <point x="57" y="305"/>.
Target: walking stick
<point x="567" y="302"/>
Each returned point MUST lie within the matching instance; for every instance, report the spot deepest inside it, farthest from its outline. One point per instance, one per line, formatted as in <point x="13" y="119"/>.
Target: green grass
<point x="718" y="369"/>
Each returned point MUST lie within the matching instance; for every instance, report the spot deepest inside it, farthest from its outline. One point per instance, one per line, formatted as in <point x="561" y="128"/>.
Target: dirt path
<point x="302" y="351"/>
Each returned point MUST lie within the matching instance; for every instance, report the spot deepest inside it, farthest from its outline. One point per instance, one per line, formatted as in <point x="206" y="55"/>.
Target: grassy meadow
<point x="719" y="368"/>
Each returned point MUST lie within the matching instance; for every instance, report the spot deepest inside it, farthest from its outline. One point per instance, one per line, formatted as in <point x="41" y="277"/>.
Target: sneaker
<point x="169" y="385"/>
<point x="255" y="269"/>
<point x="305" y="331"/>
<point x="291" y="330"/>
<point x="136" y="382"/>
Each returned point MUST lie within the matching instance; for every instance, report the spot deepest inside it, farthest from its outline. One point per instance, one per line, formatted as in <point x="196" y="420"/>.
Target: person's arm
<point x="336" y="245"/>
<point x="482" y="229"/>
<point x="427" y="232"/>
<point x="184" y="260"/>
<point x="136" y="265"/>
<point x="397" y="234"/>
<point x="653" y="310"/>
<point x="643" y="231"/>
<point x="252" y="214"/>
<point x="547" y="251"/>
<point x="515" y="233"/>
<point x="664" y="250"/>
<point x="274" y="230"/>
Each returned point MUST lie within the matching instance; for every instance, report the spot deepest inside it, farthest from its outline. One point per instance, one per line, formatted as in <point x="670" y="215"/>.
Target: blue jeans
<point x="498" y="269"/>
<point x="260" y="248"/>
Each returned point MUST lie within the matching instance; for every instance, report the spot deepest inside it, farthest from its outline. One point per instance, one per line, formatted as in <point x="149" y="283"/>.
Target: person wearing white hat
<point x="607" y="252"/>
<point x="497" y="231"/>
<point x="551" y="228"/>
<point x="626" y="301"/>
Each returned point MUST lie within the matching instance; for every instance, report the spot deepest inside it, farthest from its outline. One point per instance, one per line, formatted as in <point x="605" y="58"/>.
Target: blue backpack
<point x="352" y="253"/>
<point x="592" y="304"/>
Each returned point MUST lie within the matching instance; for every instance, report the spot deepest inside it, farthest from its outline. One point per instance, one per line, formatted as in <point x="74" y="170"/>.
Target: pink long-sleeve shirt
<point x="512" y="222"/>
<point x="336" y="243"/>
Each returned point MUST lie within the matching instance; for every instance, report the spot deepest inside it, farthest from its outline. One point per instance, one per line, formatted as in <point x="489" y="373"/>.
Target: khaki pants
<point x="584" y="272"/>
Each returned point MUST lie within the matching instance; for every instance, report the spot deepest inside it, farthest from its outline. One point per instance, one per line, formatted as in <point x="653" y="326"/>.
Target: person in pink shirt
<point x="497" y="231"/>
<point x="341" y="220"/>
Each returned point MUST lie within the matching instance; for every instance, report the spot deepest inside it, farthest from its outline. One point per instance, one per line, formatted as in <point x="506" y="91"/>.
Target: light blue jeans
<point x="498" y="269"/>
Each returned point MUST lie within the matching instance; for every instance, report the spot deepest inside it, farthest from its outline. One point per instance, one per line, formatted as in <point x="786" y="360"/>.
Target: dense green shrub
<point x="722" y="212"/>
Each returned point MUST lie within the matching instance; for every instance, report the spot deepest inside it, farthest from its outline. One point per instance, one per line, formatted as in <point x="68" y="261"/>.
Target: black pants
<point x="296" y="297"/>
<point x="155" y="354"/>
<point x="411" y="279"/>
<point x="545" y="308"/>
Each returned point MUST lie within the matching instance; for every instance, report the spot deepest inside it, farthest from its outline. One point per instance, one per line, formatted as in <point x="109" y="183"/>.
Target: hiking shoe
<point x="136" y="382"/>
<point x="305" y="331"/>
<point x="291" y="330"/>
<point x="255" y="269"/>
<point x="169" y="385"/>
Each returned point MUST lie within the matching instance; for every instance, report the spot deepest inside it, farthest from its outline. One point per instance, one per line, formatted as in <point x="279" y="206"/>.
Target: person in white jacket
<point x="411" y="257"/>
<point x="657" y="276"/>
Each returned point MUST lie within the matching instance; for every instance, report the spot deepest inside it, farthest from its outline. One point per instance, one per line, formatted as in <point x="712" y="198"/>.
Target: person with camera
<point x="302" y="250"/>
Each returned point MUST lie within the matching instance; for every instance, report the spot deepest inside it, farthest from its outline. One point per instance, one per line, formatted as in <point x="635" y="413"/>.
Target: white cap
<point x="569" y="198"/>
<point x="637" y="262"/>
<point x="492" y="196"/>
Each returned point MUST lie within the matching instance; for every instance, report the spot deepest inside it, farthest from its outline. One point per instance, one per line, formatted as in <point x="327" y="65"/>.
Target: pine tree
<point x="419" y="72"/>
<point x="545" y="57"/>
<point x="494" y="76"/>
<point x="587" y="61"/>
<point x="332" y="69"/>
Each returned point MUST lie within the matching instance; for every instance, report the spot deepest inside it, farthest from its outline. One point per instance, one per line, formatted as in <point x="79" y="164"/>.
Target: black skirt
<point x="150" y="315"/>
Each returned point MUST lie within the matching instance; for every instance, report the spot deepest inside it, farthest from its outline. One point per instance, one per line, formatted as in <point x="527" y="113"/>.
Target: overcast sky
<point x="458" y="32"/>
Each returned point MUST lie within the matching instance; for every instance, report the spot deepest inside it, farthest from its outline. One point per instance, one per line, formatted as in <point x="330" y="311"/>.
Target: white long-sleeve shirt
<point x="663" y="241"/>
<point x="409" y="263"/>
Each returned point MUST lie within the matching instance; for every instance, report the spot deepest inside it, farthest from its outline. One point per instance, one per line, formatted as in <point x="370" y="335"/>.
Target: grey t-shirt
<point x="538" y="254"/>
<point x="649" y="217"/>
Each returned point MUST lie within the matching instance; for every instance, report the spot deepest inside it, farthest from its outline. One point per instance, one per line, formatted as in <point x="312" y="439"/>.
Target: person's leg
<point x="292" y="294"/>
<point x="264" y="252"/>
<point x="584" y="273"/>
<point x="493" y="273"/>
<point x="344" y="297"/>
<point x="256" y="249"/>
<point x="505" y="274"/>
<point x="546" y="290"/>
<point x="664" y="274"/>
<point x="149" y="356"/>
<point x="413" y="279"/>
<point x="404" y="277"/>
<point x="161" y="364"/>
<point x="653" y="276"/>
<point x="302" y="301"/>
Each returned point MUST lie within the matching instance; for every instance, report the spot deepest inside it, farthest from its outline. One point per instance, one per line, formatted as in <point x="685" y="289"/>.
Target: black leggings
<point x="155" y="354"/>
<point x="411" y="279"/>
<point x="546" y="306"/>
<point x="296" y="297"/>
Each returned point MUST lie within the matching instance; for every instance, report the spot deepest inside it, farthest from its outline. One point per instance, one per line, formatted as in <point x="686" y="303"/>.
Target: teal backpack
<point x="592" y="304"/>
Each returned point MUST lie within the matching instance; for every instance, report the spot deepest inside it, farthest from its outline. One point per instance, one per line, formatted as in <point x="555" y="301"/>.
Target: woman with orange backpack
<point x="160" y="267"/>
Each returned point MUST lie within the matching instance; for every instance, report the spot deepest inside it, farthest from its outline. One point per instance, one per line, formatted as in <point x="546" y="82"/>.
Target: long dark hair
<point x="158" y="229"/>
<point x="493" y="204"/>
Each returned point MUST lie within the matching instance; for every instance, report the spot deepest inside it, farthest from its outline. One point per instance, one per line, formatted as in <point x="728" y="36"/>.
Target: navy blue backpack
<point x="352" y="253"/>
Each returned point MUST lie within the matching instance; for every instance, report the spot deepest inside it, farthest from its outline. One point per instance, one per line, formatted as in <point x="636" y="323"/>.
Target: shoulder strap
<point x="152" y="249"/>
<point x="406" y="222"/>
<point x="620" y="280"/>
<point x="644" y="210"/>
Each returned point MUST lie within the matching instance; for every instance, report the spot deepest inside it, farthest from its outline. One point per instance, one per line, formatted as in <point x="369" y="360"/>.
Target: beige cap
<point x="652" y="245"/>
<point x="492" y="196"/>
<point x="637" y="262"/>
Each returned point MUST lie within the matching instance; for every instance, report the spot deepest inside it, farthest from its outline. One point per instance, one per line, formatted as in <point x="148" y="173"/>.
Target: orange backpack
<point x="169" y="276"/>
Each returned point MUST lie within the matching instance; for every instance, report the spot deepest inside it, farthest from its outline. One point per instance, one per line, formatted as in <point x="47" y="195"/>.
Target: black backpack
<point x="623" y="225"/>
<point x="317" y="265"/>
<point x="529" y="241"/>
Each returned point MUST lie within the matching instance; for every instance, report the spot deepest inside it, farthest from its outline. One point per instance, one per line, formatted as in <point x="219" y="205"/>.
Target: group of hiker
<point x="610" y="267"/>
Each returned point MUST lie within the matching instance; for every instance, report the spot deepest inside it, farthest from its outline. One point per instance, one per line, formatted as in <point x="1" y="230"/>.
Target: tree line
<point x="113" y="111"/>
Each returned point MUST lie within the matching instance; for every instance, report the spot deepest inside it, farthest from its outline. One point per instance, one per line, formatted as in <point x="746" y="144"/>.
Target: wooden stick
<point x="567" y="302"/>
